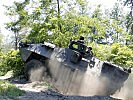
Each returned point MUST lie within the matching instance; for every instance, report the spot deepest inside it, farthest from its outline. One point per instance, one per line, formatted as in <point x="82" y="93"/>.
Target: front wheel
<point x="35" y="70"/>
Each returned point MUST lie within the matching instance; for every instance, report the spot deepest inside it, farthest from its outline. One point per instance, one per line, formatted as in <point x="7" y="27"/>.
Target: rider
<point x="80" y="46"/>
<point x="81" y="40"/>
<point x="80" y="43"/>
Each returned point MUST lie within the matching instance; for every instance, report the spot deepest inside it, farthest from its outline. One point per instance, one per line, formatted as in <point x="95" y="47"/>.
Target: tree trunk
<point x="59" y="15"/>
<point x="117" y="36"/>
<point x="16" y="41"/>
<point x="58" y="8"/>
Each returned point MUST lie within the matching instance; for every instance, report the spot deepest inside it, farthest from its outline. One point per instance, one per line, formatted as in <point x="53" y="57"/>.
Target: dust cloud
<point x="126" y="92"/>
<point x="93" y="85"/>
<point x="37" y="74"/>
<point x="85" y="83"/>
<point x="77" y="82"/>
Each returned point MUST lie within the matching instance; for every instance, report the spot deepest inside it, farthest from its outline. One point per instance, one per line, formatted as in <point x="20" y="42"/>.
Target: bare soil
<point x="45" y="91"/>
<point x="40" y="91"/>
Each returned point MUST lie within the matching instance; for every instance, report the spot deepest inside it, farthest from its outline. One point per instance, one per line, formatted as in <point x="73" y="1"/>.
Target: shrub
<point x="101" y="51"/>
<point x="11" y="61"/>
<point x="121" y="55"/>
<point x="116" y="53"/>
<point x="130" y="46"/>
<point x="9" y="90"/>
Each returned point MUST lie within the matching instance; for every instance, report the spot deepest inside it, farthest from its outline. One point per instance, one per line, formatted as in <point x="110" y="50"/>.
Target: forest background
<point x="108" y="31"/>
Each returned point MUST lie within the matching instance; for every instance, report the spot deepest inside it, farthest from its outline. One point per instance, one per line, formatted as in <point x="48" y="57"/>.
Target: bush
<point x="121" y="55"/>
<point x="9" y="90"/>
<point x="11" y="61"/>
<point x="130" y="46"/>
<point x="101" y="51"/>
<point x="116" y="53"/>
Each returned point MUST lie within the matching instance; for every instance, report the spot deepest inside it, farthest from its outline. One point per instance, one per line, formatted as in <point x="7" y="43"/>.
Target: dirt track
<point x="44" y="91"/>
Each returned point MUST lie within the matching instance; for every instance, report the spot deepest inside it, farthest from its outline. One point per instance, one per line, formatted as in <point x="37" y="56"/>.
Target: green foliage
<point x="102" y="52"/>
<point x="1" y="38"/>
<point x="19" y="20"/>
<point x="97" y="13"/>
<point x="116" y="53"/>
<point x="46" y="24"/>
<point x="9" y="90"/>
<point x="82" y="4"/>
<point x="121" y="55"/>
<point x="11" y="61"/>
<point x="116" y="12"/>
<point x="72" y="27"/>
<point x="130" y="46"/>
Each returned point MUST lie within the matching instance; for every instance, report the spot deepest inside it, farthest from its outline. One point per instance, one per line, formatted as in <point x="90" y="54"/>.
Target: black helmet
<point x="81" y="38"/>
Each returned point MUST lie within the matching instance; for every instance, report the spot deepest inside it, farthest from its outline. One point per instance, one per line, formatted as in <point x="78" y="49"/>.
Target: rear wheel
<point x="35" y="70"/>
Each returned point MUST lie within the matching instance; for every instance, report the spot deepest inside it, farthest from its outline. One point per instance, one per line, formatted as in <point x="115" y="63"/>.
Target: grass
<point x="9" y="90"/>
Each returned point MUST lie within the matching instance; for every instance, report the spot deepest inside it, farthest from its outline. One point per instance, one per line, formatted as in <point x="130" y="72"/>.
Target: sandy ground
<point x="40" y="91"/>
<point x="44" y="91"/>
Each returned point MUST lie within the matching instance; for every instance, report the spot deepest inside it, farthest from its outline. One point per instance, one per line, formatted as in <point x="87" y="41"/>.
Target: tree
<point x="129" y="17"/>
<point x="1" y="38"/>
<point x="19" y="19"/>
<point x="42" y="20"/>
<point x="117" y="26"/>
<point x="82" y="4"/>
<point x="130" y="4"/>
<point x="97" y="13"/>
<point x="116" y="12"/>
